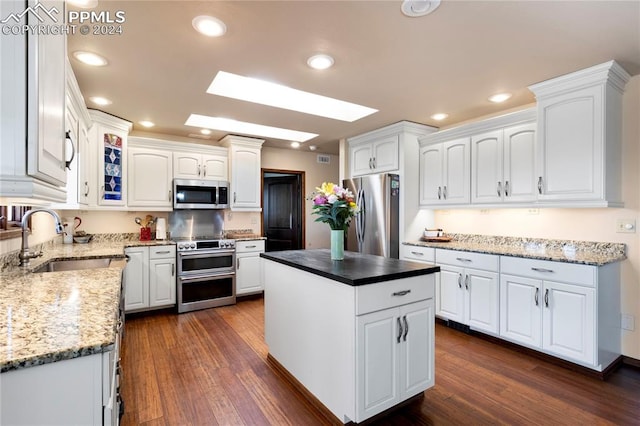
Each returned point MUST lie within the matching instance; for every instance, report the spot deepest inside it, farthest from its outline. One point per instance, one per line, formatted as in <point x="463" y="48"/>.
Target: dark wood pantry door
<point x="282" y="211"/>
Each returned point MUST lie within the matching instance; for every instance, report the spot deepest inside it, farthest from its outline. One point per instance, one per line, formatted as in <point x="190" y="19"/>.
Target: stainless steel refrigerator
<point x="375" y="230"/>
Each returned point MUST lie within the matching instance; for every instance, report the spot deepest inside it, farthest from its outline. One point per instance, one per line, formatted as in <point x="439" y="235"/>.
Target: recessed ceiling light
<point x="90" y="58"/>
<point x="205" y="131"/>
<point x="146" y="123"/>
<point x="295" y="144"/>
<point x="99" y="100"/>
<point x="500" y="97"/>
<point x="414" y="8"/>
<point x="275" y="95"/>
<point x="209" y="26"/>
<point x="84" y="4"/>
<point x="313" y="147"/>
<point x="439" y="116"/>
<point x="199" y="136"/>
<point x="235" y="126"/>
<point x="320" y="62"/>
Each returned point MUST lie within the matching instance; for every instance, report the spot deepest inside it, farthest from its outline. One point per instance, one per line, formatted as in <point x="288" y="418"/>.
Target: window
<point x="10" y="217"/>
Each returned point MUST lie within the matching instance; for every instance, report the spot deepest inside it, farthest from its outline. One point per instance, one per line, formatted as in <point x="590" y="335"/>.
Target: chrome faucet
<point x="25" y="254"/>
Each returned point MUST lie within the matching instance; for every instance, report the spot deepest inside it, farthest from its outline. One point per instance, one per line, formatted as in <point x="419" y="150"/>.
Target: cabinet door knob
<point x="499" y="189"/>
<point x="237" y="263"/>
<point x="466" y="282"/>
<point x="399" y="330"/>
<point x="86" y="188"/>
<point x="536" y="295"/>
<point x="370" y="163"/>
<point x="506" y="188"/>
<point x="439" y="193"/>
<point x="540" y="185"/>
<point x="234" y="197"/>
<point x="444" y="192"/>
<point x="460" y="280"/>
<point x="204" y="171"/>
<point x="198" y="169"/>
<point x="546" y="298"/>
<point x="374" y="162"/>
<point x="73" y="150"/>
<point x="406" y="328"/>
<point x="170" y="194"/>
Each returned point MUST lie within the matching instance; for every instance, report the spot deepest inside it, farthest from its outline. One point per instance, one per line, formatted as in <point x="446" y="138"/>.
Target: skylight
<point x="235" y="126"/>
<point x="272" y="94"/>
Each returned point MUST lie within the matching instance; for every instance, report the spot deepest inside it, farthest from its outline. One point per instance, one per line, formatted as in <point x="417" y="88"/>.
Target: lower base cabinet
<point x="249" y="267"/>
<point x="562" y="310"/>
<point x="150" y="277"/>
<point x="395" y="356"/>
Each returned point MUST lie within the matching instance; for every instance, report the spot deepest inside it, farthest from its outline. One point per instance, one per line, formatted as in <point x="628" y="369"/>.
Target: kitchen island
<point x="358" y="334"/>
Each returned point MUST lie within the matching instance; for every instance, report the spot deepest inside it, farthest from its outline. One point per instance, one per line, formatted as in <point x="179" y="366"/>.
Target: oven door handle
<point x="203" y="277"/>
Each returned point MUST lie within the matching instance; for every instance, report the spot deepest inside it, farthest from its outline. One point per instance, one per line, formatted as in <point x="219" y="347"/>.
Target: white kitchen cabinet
<point x="150" y="277"/>
<point x="579" y="139"/>
<point x="136" y="278"/>
<point x="245" y="172"/>
<point x="467" y="290"/>
<point x="150" y="173"/>
<point x="196" y="165"/>
<point x="444" y="173"/>
<point x="32" y="134"/>
<point x="109" y="140"/>
<point x="562" y="309"/>
<point x="392" y="346"/>
<point x="373" y="154"/>
<point x="503" y="165"/>
<point x="249" y="267"/>
<point x="162" y="276"/>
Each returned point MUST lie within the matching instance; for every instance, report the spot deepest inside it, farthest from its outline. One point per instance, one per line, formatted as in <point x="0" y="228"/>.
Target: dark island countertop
<point x="356" y="268"/>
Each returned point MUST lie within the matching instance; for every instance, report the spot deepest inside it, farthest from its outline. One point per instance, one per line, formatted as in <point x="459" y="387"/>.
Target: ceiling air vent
<point x="324" y="159"/>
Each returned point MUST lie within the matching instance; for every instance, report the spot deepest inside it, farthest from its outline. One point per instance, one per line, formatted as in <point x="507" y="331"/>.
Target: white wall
<point x="579" y="224"/>
<point x="317" y="234"/>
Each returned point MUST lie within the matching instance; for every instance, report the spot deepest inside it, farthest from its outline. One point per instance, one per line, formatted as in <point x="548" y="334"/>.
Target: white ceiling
<point x="408" y="68"/>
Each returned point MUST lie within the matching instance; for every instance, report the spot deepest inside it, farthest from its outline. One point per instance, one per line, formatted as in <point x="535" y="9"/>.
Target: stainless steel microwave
<point x="200" y="194"/>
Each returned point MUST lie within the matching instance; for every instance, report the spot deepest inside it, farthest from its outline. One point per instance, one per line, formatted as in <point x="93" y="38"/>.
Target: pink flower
<point x="319" y="199"/>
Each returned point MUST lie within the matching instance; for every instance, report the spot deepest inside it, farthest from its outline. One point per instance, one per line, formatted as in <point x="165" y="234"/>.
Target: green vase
<point x="337" y="244"/>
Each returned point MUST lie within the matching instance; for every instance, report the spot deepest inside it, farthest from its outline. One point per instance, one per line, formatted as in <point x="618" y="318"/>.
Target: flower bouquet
<point x="335" y="206"/>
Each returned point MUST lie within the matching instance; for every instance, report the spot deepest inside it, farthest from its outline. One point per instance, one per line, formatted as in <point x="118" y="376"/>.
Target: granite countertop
<point x="568" y="251"/>
<point x="52" y="316"/>
<point x="356" y="268"/>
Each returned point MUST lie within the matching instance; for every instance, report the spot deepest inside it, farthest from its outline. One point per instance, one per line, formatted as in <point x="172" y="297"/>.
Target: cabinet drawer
<point x="549" y="270"/>
<point x="388" y="294"/>
<point x="425" y="254"/>
<point x="249" y="246"/>
<point x="162" y="252"/>
<point x="465" y="259"/>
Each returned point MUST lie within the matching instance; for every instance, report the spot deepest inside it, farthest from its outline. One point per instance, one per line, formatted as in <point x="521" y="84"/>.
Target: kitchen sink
<point x="74" y="265"/>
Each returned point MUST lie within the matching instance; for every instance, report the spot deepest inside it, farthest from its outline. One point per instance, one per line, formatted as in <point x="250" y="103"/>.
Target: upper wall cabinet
<point x="33" y="110"/>
<point x="503" y="165"/>
<point x="244" y="169"/>
<point x="487" y="163"/>
<point x="196" y="165"/>
<point x="376" y="154"/>
<point x="579" y="154"/>
<point x="109" y="135"/>
<point x="149" y="173"/>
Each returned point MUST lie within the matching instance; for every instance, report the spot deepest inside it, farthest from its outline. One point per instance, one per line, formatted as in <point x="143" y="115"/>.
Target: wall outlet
<point x="626" y="226"/>
<point x="628" y="322"/>
<point x="533" y="211"/>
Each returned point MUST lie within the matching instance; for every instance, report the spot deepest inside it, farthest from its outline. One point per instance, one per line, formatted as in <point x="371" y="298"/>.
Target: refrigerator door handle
<point x="363" y="216"/>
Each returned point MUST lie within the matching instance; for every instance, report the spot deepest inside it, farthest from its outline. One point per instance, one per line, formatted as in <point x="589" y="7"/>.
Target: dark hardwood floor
<point x="209" y="367"/>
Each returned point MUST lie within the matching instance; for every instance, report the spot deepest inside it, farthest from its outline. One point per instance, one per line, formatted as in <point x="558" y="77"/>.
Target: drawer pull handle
<point x="536" y="296"/>
<point x="417" y="253"/>
<point x="541" y="270"/>
<point x="406" y="328"/>
<point x="251" y="246"/>
<point x="401" y="293"/>
<point x="399" y="330"/>
<point x="463" y="259"/>
<point x="163" y="252"/>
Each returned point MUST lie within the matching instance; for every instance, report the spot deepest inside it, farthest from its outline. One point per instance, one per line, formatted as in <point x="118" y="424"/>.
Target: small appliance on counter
<point x="434" y="236"/>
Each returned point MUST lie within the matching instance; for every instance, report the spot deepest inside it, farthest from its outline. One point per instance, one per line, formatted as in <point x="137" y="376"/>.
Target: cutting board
<point x="435" y="239"/>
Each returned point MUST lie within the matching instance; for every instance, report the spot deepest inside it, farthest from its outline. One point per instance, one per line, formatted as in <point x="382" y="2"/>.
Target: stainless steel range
<point x="206" y="273"/>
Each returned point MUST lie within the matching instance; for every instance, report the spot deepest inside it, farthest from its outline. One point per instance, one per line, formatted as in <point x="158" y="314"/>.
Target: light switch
<point x="626" y="226"/>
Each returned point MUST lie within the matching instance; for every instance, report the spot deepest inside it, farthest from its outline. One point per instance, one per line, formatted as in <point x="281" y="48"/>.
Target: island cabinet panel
<point x="358" y="348"/>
